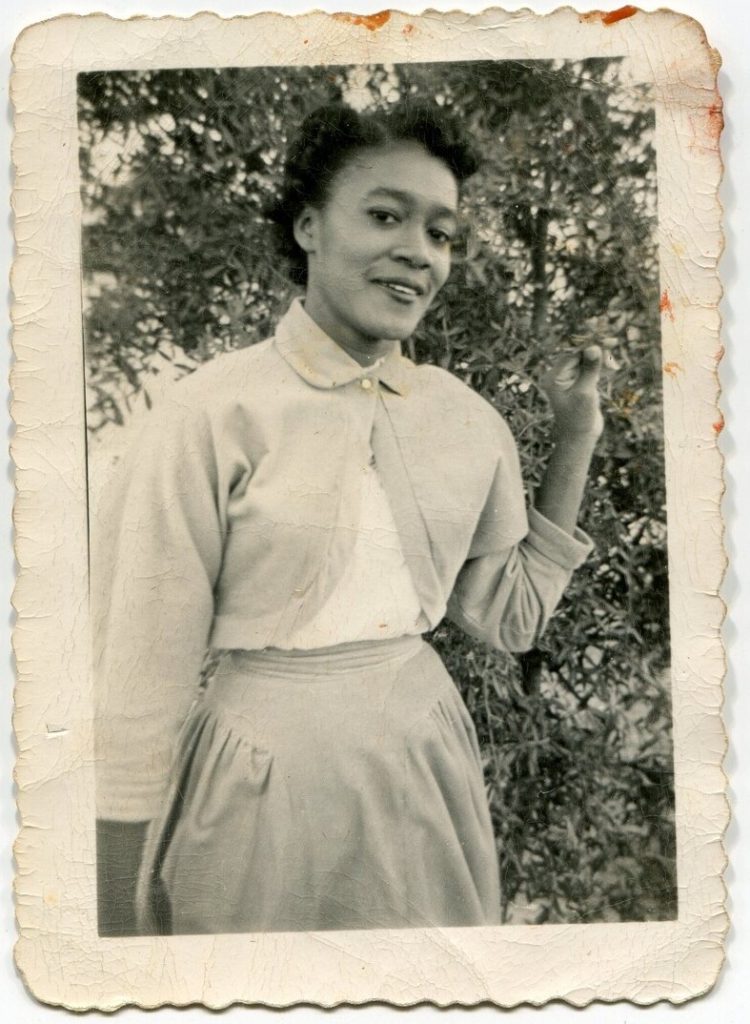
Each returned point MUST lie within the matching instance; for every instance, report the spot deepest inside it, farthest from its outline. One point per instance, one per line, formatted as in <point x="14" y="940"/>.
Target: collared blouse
<point x="235" y="515"/>
<point x="374" y="598"/>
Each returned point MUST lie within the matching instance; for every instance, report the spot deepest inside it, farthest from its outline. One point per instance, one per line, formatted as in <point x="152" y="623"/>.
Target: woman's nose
<point x="413" y="249"/>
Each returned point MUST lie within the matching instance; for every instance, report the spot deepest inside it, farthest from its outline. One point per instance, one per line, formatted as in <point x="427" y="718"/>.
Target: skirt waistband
<point x="323" y="661"/>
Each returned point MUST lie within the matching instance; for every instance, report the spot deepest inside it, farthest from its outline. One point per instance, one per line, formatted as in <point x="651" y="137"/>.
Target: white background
<point x="727" y="24"/>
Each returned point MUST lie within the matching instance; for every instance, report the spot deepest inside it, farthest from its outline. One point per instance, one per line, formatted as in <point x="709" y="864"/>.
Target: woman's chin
<point x="397" y="325"/>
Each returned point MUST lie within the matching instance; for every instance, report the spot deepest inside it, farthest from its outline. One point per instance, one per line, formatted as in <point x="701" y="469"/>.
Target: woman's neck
<point x="366" y="354"/>
<point x="364" y="351"/>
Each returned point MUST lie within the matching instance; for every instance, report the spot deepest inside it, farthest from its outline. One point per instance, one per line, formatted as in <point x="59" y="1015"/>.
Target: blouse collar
<point x="321" y="362"/>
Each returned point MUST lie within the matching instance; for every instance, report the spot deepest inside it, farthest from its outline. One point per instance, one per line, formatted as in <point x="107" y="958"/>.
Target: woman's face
<point x="379" y="250"/>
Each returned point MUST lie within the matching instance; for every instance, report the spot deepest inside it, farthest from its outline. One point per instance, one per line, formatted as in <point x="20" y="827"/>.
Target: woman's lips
<point x="401" y="291"/>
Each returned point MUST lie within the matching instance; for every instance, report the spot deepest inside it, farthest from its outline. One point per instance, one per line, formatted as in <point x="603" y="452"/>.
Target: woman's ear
<point x="305" y="229"/>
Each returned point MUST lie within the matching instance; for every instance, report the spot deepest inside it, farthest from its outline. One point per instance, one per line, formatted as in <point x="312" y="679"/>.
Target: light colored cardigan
<point x="232" y="522"/>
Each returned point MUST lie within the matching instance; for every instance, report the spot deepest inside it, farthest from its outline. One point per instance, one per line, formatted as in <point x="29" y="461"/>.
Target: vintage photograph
<point x="376" y="496"/>
<point x="368" y="513"/>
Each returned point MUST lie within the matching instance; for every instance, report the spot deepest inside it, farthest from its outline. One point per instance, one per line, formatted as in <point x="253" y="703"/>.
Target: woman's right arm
<point x="156" y="557"/>
<point x="119" y="848"/>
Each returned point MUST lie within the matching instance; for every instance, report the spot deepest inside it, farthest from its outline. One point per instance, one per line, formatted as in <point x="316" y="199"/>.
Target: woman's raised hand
<point x="572" y="387"/>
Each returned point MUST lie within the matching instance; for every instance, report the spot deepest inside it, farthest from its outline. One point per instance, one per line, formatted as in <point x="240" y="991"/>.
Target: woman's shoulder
<point x="229" y="367"/>
<point x="205" y="400"/>
<point x="224" y="377"/>
<point x="440" y="385"/>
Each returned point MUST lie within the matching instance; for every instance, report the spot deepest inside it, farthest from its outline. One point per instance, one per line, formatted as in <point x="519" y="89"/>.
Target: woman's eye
<point x="384" y="216"/>
<point x="441" y="237"/>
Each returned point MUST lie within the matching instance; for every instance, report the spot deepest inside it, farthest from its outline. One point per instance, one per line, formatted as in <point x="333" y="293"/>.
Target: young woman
<point x="308" y="507"/>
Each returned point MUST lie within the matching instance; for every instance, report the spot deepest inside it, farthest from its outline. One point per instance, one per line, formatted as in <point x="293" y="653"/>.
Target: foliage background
<point x="176" y="167"/>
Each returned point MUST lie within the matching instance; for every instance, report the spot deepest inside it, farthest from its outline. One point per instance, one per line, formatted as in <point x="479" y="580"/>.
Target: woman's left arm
<point x="572" y="388"/>
<point x="506" y="595"/>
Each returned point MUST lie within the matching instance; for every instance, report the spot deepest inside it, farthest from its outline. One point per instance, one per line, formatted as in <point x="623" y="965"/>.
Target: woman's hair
<point x="331" y="135"/>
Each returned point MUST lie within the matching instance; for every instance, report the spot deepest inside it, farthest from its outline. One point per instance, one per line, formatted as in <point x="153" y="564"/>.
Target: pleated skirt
<point x="333" y="789"/>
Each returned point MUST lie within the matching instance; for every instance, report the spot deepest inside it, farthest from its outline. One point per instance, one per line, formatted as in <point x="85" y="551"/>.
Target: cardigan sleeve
<point x="518" y="565"/>
<point x="156" y="555"/>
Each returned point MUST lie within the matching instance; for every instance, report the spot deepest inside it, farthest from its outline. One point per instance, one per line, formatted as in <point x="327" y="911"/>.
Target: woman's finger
<point x="591" y="364"/>
<point x="565" y="371"/>
<point x="576" y="368"/>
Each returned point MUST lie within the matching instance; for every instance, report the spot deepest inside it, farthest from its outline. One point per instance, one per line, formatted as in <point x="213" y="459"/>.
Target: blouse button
<point x="366" y="384"/>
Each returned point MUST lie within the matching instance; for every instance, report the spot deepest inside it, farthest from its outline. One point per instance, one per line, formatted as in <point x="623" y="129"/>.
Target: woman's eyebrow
<point x="408" y="199"/>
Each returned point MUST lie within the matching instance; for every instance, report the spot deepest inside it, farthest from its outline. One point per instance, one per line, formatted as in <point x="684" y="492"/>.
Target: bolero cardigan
<point x="238" y="490"/>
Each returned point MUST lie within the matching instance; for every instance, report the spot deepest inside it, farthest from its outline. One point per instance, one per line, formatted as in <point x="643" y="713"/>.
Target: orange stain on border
<point x="369" y="21"/>
<point x="665" y="305"/>
<point x="716" y="120"/>
<point x="672" y="369"/>
<point x="610" y="17"/>
<point x="620" y="14"/>
<point x="718" y="426"/>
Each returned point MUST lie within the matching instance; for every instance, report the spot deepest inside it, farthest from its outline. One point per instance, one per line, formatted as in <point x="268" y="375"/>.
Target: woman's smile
<point x="402" y="291"/>
<point x="379" y="250"/>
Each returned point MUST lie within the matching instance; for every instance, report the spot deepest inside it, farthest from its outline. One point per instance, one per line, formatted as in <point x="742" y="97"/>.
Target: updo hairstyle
<point x="331" y="135"/>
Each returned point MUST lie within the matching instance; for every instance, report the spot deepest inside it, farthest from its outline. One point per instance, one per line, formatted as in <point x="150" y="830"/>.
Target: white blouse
<point x="375" y="598"/>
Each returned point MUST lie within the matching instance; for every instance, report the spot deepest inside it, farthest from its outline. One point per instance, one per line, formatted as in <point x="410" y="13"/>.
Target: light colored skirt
<point x="326" y="789"/>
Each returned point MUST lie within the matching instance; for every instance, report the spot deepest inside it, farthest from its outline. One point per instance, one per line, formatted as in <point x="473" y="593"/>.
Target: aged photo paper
<point x="250" y="477"/>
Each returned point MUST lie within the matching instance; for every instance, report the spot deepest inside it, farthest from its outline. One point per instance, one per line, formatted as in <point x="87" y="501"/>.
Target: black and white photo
<point x="368" y="509"/>
<point x="304" y="507"/>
